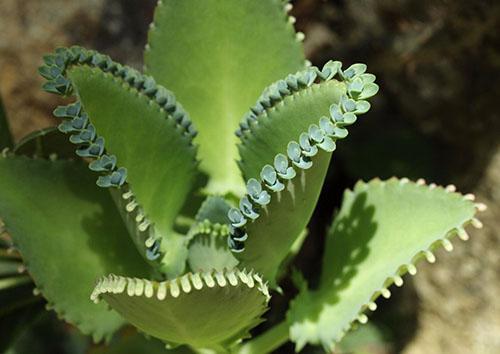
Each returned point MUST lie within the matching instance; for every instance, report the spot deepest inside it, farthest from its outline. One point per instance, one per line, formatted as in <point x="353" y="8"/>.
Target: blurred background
<point x="438" y="66"/>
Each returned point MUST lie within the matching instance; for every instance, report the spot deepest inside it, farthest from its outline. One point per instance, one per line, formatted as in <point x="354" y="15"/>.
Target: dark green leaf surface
<point x="152" y="146"/>
<point x="5" y="135"/>
<point x="69" y="234"/>
<point x="160" y="161"/>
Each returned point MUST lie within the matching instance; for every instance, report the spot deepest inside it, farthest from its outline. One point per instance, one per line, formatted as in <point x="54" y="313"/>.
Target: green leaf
<point x="5" y="135"/>
<point x="160" y="161"/>
<point x="364" y="338"/>
<point x="147" y="137"/>
<point x="171" y="251"/>
<point x="137" y="343"/>
<point x="203" y="310"/>
<point x="271" y="236"/>
<point x="286" y="144"/>
<point x="69" y="234"/>
<point x="208" y="249"/>
<point x="217" y="55"/>
<point x="381" y="231"/>
<point x="214" y="209"/>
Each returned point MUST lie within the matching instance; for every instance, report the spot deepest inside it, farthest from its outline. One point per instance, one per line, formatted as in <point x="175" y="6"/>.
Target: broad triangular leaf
<point x="139" y="134"/>
<point x="286" y="143"/>
<point x="203" y="310"/>
<point x="217" y="56"/>
<point x="73" y="235"/>
<point x="381" y="231"/>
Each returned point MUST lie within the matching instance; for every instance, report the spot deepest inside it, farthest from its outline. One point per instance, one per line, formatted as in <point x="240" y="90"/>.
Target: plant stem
<point x="266" y="342"/>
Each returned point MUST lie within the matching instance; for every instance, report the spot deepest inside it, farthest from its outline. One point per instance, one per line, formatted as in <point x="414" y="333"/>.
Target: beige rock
<point x="459" y="296"/>
<point x="29" y="29"/>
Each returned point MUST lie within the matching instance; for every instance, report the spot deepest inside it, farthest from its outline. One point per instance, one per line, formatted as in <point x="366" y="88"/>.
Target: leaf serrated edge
<point x="289" y="22"/>
<point x="61" y="313"/>
<point x="181" y="285"/>
<point x="185" y="284"/>
<point x="138" y="223"/>
<point x="295" y="84"/>
<point x="92" y="146"/>
<point x="321" y="136"/>
<point x="411" y="267"/>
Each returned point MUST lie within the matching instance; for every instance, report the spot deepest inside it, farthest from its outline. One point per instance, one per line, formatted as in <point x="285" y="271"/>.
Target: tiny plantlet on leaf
<point x="186" y="209"/>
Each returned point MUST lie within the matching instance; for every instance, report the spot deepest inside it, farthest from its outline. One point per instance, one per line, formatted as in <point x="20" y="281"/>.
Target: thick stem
<point x="266" y="342"/>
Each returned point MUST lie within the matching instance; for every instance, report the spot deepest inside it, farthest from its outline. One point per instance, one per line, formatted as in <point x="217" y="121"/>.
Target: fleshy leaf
<point x="74" y="235"/>
<point x="217" y="59"/>
<point x="171" y="252"/>
<point x="5" y="135"/>
<point x="208" y="249"/>
<point x="286" y="144"/>
<point x="382" y="230"/>
<point x="134" y="344"/>
<point x="213" y="209"/>
<point x="202" y="309"/>
<point x="137" y="134"/>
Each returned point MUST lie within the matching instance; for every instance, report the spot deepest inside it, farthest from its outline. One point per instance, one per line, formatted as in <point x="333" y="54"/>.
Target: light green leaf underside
<point x="214" y="209"/>
<point x="160" y="161"/>
<point x="74" y="235"/>
<point x="217" y="56"/>
<point x="208" y="249"/>
<point x="5" y="135"/>
<point x="201" y="309"/>
<point x="280" y="223"/>
<point x="382" y="229"/>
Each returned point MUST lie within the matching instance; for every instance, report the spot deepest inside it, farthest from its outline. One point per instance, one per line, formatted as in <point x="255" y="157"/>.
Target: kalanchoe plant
<point x="186" y="243"/>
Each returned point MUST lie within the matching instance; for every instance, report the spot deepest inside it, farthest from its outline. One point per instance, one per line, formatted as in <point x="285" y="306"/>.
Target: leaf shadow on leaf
<point x="100" y="224"/>
<point x="347" y="246"/>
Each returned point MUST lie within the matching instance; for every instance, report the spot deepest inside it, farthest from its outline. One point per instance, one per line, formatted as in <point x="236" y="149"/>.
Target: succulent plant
<point x="187" y="221"/>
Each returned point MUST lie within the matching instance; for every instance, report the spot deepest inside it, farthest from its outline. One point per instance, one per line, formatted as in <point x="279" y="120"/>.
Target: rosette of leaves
<point x="185" y="224"/>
